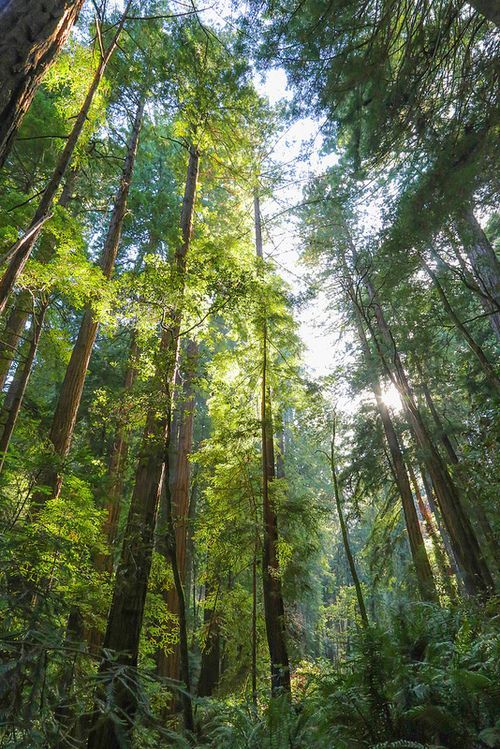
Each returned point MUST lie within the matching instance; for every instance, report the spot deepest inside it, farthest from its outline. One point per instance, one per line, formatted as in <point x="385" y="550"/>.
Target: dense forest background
<point x="211" y="537"/>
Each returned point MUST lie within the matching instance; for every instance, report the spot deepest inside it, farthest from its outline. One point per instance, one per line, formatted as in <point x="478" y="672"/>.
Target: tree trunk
<point x="274" y="609"/>
<point x="129" y="594"/>
<point x="423" y="571"/>
<point x="117" y="461"/>
<point x="211" y="655"/>
<point x="485" y="265"/>
<point x="169" y="664"/>
<point x="33" y="32"/>
<point x="23" y="303"/>
<point x="14" y="400"/>
<point x="68" y="403"/>
<point x="345" y="537"/>
<point x="20" y="252"/>
<point x="476" y="349"/>
<point x="477" y="576"/>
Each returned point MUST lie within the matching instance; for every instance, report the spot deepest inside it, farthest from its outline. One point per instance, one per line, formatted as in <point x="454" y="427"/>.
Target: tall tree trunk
<point x="14" y="399"/>
<point x="345" y="536"/>
<point x="477" y="576"/>
<point x="21" y="250"/>
<point x="423" y="571"/>
<point x="274" y="609"/>
<point x="33" y="32"/>
<point x="116" y="466"/>
<point x="132" y="575"/>
<point x="68" y="403"/>
<point x="485" y="265"/>
<point x="476" y="349"/>
<point x="23" y="303"/>
<point x="169" y="664"/>
<point x="211" y="654"/>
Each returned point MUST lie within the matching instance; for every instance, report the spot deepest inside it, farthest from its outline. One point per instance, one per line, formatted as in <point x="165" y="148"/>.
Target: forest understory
<point x="249" y="383"/>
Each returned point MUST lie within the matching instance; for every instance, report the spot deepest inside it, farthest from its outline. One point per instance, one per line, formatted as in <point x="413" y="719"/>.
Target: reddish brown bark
<point x="33" y="32"/>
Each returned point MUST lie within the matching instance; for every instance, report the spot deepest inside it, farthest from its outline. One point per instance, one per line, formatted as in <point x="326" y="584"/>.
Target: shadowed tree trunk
<point x="274" y="609"/>
<point x="21" y="250"/>
<point x="68" y="403"/>
<point x="211" y="655"/>
<point x="484" y="262"/>
<point x="117" y="461"/>
<point x="129" y="594"/>
<point x="33" y="32"/>
<point x="23" y="303"/>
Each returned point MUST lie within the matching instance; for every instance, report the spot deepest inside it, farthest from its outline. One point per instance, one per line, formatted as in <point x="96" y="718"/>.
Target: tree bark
<point x="33" y="32"/>
<point x="129" y="594"/>
<point x="274" y="609"/>
<point x="117" y="462"/>
<point x="211" y="655"/>
<point x="484" y="263"/>
<point x="21" y="250"/>
<point x="68" y="403"/>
